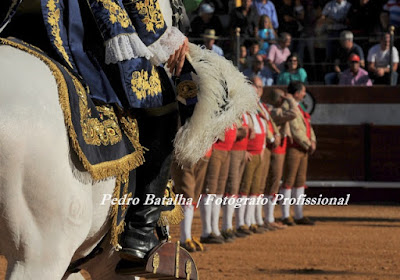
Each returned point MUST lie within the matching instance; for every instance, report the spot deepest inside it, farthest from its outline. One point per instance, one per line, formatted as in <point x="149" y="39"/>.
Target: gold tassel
<point x="175" y="216"/>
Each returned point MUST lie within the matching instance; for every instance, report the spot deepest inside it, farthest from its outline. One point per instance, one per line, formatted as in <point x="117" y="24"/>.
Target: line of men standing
<point x="246" y="164"/>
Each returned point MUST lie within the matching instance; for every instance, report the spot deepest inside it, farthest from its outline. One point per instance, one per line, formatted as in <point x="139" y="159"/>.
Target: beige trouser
<point x="251" y="177"/>
<point x="275" y="174"/>
<point x="217" y="172"/>
<point x="236" y="169"/>
<point x="189" y="181"/>
<point x="295" y="168"/>
<point x="265" y="163"/>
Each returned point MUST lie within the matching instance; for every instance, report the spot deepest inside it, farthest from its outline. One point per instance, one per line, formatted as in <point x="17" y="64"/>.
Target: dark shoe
<point x="269" y="227"/>
<point x="212" y="239"/>
<point x="239" y="234"/>
<point x="189" y="246"/>
<point x="228" y="235"/>
<point x="243" y="230"/>
<point x="288" y="221"/>
<point x="276" y="226"/>
<point x="256" y="229"/>
<point x="199" y="246"/>
<point x="304" y="221"/>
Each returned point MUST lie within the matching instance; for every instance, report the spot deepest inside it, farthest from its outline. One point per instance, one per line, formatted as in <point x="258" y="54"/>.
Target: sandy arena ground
<point x="348" y="242"/>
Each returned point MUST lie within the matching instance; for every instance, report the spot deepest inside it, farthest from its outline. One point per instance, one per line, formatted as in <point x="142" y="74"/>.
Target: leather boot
<point x="156" y="133"/>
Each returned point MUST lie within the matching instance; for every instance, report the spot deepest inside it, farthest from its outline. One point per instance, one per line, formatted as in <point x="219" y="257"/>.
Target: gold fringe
<point x="97" y="171"/>
<point x="173" y="217"/>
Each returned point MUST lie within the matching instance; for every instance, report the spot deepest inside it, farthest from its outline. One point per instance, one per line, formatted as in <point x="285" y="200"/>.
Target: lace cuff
<point x="125" y="47"/>
<point x="166" y="45"/>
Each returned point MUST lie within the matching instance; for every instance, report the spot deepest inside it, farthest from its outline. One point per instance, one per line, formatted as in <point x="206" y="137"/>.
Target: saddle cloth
<point x="106" y="141"/>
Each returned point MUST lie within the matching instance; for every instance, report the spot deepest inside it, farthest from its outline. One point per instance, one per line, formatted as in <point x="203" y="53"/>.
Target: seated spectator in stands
<point x="266" y="7"/>
<point x="257" y="69"/>
<point x="290" y="15"/>
<point x="205" y="20"/>
<point x="379" y="62"/>
<point x="391" y="14"/>
<point x="355" y="75"/>
<point x="209" y="41"/>
<point x="254" y="48"/>
<point x="278" y="54"/>
<point x="334" y="15"/>
<point x="243" y="63"/>
<point x="246" y="18"/>
<point x="265" y="34"/>
<point x="347" y="47"/>
<point x="293" y="71"/>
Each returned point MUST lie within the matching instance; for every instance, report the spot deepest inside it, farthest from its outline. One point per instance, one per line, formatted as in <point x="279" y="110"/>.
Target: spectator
<point x="257" y="69"/>
<point x="293" y="71"/>
<point x="209" y="41"/>
<point x="342" y="55"/>
<point x="289" y="16"/>
<point x="278" y="53"/>
<point x="243" y="63"/>
<point x="355" y="75"/>
<point x="379" y="62"/>
<point x="254" y="48"/>
<point x="205" y="20"/>
<point x="334" y="15"/>
<point x="246" y="18"/>
<point x="266" y="7"/>
<point x="391" y="14"/>
<point x="266" y="34"/>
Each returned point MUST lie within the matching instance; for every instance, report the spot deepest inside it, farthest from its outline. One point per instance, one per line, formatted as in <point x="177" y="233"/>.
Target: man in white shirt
<point x="379" y="62"/>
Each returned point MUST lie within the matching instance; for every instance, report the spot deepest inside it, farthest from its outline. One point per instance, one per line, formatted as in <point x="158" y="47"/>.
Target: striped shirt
<point x="393" y="8"/>
<point x="338" y="13"/>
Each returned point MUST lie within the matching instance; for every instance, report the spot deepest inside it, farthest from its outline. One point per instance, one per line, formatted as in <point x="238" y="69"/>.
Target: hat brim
<point x="209" y="36"/>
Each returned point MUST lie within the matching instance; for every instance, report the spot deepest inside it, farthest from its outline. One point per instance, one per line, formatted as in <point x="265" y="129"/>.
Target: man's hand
<point x="241" y="133"/>
<point x="277" y="141"/>
<point x="176" y="60"/>
<point x="248" y="156"/>
<point x="312" y="148"/>
<point x="380" y="72"/>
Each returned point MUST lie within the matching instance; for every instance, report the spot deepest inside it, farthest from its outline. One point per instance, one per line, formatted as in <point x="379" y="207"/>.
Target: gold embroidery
<point x="117" y="14"/>
<point x="53" y="19"/>
<point x="187" y="89"/>
<point x="97" y="132"/>
<point x="153" y="17"/>
<point x="144" y="85"/>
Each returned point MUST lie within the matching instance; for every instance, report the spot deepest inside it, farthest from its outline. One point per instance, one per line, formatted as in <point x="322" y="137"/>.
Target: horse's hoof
<point x="165" y="261"/>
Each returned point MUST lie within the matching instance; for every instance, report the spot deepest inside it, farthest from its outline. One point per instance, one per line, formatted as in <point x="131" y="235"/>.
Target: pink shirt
<point x="278" y="56"/>
<point x="361" y="79"/>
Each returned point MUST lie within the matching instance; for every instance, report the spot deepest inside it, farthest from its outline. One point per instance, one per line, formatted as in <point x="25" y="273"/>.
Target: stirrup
<point x="166" y="261"/>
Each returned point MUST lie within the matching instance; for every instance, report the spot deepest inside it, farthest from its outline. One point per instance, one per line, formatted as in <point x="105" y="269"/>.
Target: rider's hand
<point x="176" y="60"/>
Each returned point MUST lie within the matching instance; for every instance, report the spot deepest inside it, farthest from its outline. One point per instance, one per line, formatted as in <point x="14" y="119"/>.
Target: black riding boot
<point x="157" y="130"/>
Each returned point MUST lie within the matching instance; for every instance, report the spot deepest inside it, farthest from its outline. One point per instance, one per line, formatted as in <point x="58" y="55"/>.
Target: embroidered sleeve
<point x="146" y="17"/>
<point x="121" y="40"/>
